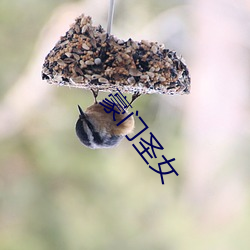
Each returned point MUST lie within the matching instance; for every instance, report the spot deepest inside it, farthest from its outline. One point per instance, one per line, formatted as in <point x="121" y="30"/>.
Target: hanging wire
<point x="110" y="15"/>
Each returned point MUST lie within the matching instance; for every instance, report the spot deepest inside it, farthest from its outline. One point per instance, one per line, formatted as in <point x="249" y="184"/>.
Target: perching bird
<point x="96" y="129"/>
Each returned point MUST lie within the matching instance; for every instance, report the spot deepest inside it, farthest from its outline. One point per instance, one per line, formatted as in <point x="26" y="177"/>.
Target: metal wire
<point x="110" y="15"/>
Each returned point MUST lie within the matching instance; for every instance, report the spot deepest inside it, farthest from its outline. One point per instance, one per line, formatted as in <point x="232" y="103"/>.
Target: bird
<point x="96" y="129"/>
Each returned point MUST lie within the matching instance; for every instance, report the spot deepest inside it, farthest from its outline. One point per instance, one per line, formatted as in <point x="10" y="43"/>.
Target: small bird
<point x="96" y="129"/>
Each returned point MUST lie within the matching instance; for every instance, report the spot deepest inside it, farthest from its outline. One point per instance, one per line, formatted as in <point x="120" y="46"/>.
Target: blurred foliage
<point x="20" y="23"/>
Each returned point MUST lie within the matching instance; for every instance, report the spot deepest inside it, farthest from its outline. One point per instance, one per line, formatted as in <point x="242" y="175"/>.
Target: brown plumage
<point x="104" y="121"/>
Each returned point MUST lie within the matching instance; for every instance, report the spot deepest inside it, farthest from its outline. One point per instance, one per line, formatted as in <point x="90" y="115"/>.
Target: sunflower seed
<point x="103" y="80"/>
<point x="61" y="62"/>
<point x="144" y="78"/>
<point x="77" y="57"/>
<point x="154" y="49"/>
<point x="78" y="70"/>
<point x="131" y="80"/>
<point x="88" y="62"/>
<point x="145" y="42"/>
<point x="77" y="29"/>
<point x="77" y="79"/>
<point x="85" y="46"/>
<point x="68" y="54"/>
<point x="69" y="60"/>
<point x="95" y="76"/>
<point x="150" y="74"/>
<point x="134" y="72"/>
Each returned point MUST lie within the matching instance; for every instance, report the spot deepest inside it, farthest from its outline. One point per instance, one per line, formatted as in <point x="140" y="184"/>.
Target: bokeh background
<point x="57" y="194"/>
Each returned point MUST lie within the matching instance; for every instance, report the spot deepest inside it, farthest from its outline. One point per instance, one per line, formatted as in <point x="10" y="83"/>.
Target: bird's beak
<point x="82" y="115"/>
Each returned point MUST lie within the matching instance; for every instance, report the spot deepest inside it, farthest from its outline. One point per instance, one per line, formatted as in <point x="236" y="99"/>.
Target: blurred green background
<point x="57" y="194"/>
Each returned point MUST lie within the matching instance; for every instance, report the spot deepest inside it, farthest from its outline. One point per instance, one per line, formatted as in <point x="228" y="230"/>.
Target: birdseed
<point x="88" y="57"/>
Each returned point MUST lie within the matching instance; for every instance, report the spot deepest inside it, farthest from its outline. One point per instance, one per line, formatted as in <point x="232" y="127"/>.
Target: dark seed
<point x="45" y="77"/>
